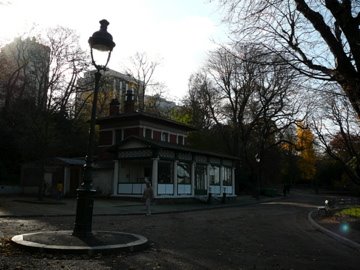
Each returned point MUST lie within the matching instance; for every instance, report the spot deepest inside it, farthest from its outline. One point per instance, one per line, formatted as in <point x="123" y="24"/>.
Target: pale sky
<point x="177" y="32"/>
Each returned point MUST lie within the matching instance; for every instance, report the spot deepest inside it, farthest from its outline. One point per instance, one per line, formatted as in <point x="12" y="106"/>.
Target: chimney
<point x="114" y="107"/>
<point x="129" y="102"/>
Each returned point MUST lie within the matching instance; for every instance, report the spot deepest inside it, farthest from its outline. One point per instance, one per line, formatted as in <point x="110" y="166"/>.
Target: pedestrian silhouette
<point x="148" y="197"/>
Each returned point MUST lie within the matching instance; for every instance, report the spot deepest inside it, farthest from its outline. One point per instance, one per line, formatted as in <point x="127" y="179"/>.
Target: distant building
<point x="159" y="105"/>
<point x="24" y="72"/>
<point x="113" y="84"/>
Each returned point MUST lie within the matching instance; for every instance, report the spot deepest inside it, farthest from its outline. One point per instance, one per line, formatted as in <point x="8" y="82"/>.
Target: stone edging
<point x="137" y="244"/>
<point x="336" y="236"/>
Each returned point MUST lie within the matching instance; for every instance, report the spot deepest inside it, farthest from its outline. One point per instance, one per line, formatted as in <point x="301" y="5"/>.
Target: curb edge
<point x="337" y="237"/>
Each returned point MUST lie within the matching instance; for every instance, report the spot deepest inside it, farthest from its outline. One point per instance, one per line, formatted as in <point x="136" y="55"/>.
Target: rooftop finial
<point x="104" y="24"/>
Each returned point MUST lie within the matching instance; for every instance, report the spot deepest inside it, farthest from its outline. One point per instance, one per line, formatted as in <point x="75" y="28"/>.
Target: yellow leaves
<point x="305" y="146"/>
<point x="103" y="103"/>
<point x="305" y="138"/>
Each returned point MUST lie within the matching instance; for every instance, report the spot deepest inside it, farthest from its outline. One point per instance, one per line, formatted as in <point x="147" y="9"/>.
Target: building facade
<point x="25" y="65"/>
<point x="113" y="85"/>
<point x="137" y="147"/>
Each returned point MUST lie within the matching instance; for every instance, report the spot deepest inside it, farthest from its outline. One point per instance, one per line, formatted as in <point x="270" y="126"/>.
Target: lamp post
<point x="101" y="41"/>
<point x="258" y="188"/>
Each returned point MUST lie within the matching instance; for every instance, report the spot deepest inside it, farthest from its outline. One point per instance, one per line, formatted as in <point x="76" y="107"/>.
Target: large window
<point x="200" y="178"/>
<point x="173" y="138"/>
<point x="156" y="135"/>
<point x="134" y="171"/>
<point x="183" y="173"/>
<point x="180" y="140"/>
<point x="165" y="172"/>
<point x="227" y="181"/>
<point x="165" y="137"/>
<point x="135" y="131"/>
<point x="214" y="175"/>
<point x="132" y="176"/>
<point x="148" y="133"/>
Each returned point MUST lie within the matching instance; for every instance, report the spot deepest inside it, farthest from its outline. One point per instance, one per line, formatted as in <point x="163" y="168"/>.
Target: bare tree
<point x="251" y="96"/>
<point x="67" y="63"/>
<point x="44" y="69"/>
<point x="251" y="102"/>
<point x="202" y="101"/>
<point x="143" y="70"/>
<point x="318" y="38"/>
<point x="337" y="128"/>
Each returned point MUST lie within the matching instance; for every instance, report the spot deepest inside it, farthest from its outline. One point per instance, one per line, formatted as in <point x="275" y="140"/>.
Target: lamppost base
<point x="84" y="212"/>
<point x="65" y="241"/>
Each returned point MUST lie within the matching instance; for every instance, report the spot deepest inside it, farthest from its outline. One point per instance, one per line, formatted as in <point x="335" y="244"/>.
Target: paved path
<point x="269" y="235"/>
<point x="286" y="239"/>
<point x="31" y="207"/>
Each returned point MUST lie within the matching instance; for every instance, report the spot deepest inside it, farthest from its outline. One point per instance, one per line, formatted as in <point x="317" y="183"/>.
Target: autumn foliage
<point x="307" y="157"/>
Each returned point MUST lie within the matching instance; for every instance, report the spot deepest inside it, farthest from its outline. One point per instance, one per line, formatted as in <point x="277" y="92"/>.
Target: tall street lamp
<point x="102" y="42"/>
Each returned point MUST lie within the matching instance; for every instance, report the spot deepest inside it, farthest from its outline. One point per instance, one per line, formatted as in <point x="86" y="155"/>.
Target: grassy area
<point x="350" y="212"/>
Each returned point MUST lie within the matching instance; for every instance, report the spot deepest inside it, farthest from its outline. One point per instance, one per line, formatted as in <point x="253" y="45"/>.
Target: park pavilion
<point x="137" y="147"/>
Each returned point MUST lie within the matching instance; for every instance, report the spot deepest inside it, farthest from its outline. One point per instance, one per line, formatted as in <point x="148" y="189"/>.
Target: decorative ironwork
<point x="227" y="162"/>
<point x="185" y="156"/>
<point x="201" y="159"/>
<point x="167" y="154"/>
<point x="135" y="154"/>
<point x="214" y="160"/>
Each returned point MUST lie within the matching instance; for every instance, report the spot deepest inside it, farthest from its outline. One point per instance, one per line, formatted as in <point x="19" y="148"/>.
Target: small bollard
<point x="209" y="198"/>
<point x="223" y="199"/>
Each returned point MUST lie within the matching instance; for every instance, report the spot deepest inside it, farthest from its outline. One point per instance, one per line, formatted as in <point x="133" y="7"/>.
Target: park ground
<point x="265" y="234"/>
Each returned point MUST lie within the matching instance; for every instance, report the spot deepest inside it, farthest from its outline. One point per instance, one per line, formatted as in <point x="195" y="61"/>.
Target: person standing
<point x="59" y="190"/>
<point x="148" y="197"/>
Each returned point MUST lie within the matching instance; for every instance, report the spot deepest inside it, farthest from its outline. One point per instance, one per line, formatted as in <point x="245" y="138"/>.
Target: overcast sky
<point x="177" y="32"/>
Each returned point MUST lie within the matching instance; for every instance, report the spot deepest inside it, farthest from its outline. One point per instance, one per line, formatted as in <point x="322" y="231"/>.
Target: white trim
<point x="166" y="189"/>
<point x="131" y="189"/>
<point x="114" y="135"/>
<point x="163" y="133"/>
<point x="233" y="181"/>
<point x="175" y="178"/>
<point x="154" y="176"/>
<point x="184" y="190"/>
<point x="67" y="174"/>
<point x="183" y="139"/>
<point x="116" y="177"/>
<point x="144" y="127"/>
<point x="215" y="190"/>
<point x="193" y="167"/>
<point x="208" y="182"/>
<point x="221" y="179"/>
<point x="144" y="132"/>
<point x="167" y="196"/>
